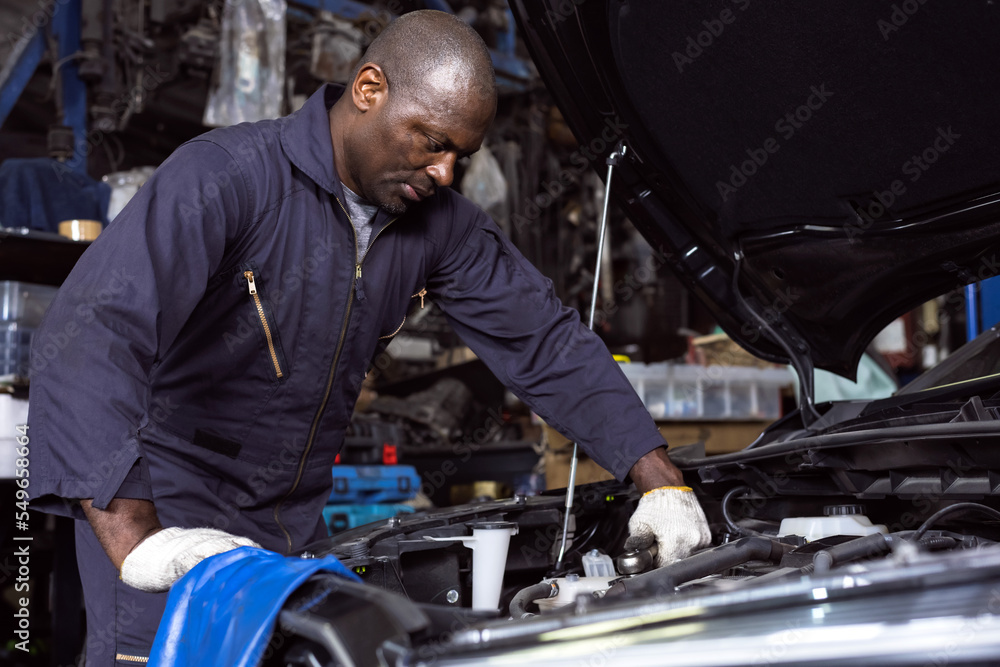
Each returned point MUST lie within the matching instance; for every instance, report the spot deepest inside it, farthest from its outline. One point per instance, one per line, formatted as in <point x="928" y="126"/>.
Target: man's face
<point x="404" y="149"/>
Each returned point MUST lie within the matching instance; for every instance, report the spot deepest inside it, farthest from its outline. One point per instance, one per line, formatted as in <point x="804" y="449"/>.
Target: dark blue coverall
<point x="207" y="350"/>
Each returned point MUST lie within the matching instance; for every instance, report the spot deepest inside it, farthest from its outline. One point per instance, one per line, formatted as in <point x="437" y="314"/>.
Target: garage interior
<point x="96" y="94"/>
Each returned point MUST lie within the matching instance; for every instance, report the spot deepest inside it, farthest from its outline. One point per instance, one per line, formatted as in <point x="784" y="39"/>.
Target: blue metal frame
<point x="18" y="70"/>
<point x="971" y="312"/>
<point x="440" y="5"/>
<point x="66" y="26"/>
<point x="348" y="9"/>
<point x="508" y="40"/>
<point x="986" y="302"/>
<point x="28" y="52"/>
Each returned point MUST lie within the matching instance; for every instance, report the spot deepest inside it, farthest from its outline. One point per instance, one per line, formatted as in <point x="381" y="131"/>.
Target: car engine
<point x="762" y="541"/>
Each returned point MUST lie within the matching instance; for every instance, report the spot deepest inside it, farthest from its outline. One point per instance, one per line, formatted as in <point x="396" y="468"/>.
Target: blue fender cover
<point x="224" y="610"/>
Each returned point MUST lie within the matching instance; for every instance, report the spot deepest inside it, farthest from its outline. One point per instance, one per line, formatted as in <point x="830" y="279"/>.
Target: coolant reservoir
<point x="838" y="520"/>
<point x="570" y="587"/>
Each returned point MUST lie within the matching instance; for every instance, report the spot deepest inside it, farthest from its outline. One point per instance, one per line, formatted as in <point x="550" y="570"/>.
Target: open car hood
<point x="809" y="173"/>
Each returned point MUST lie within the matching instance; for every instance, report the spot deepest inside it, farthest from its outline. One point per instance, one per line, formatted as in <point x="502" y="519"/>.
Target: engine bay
<point x="748" y="542"/>
<point x="813" y="525"/>
<point x="419" y="562"/>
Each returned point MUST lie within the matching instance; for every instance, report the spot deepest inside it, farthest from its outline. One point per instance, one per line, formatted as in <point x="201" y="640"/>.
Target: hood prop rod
<point x="616" y="155"/>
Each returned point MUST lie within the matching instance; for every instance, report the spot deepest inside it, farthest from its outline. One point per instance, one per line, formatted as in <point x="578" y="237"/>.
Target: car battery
<point x="343" y="517"/>
<point x="374" y="484"/>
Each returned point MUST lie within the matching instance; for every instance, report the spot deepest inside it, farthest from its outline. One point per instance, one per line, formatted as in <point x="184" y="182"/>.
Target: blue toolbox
<point x="342" y="517"/>
<point x="374" y="484"/>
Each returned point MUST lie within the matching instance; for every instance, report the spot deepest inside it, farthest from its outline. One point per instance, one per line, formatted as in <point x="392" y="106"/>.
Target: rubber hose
<point x="730" y="521"/>
<point x="951" y="509"/>
<point x="938" y="543"/>
<point x="868" y="546"/>
<point x="526" y="596"/>
<point x="703" y="564"/>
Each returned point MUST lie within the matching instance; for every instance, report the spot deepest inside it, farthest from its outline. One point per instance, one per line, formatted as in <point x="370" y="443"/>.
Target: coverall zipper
<point x="131" y="658"/>
<point x="332" y="374"/>
<point x="263" y="320"/>
<point x="422" y="293"/>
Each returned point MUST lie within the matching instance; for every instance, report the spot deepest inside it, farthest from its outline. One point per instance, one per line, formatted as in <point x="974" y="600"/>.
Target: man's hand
<point x="150" y="557"/>
<point x="167" y="555"/>
<point x="668" y="512"/>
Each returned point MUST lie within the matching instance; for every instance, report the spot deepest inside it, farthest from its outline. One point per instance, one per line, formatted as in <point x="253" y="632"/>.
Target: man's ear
<point x="370" y="88"/>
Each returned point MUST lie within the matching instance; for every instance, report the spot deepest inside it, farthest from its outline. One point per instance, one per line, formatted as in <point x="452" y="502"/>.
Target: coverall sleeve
<point x="119" y="310"/>
<point x="509" y="315"/>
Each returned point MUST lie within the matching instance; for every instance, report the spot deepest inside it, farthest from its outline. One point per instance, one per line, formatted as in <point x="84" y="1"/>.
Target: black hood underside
<point x="811" y="171"/>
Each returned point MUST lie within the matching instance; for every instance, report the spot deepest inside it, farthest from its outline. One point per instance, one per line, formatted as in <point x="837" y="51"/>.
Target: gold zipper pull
<point x="422" y="293"/>
<point x="249" y="276"/>
<point x="357" y="271"/>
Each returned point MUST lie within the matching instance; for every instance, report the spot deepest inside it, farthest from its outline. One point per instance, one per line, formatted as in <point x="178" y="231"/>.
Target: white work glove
<point x="672" y="517"/>
<point x="166" y="556"/>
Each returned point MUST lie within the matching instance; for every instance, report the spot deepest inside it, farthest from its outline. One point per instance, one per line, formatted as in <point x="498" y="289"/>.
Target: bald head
<point x="429" y="55"/>
<point x="422" y="98"/>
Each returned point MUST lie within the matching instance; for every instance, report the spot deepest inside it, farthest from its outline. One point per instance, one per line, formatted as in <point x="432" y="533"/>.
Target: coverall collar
<point x="305" y="136"/>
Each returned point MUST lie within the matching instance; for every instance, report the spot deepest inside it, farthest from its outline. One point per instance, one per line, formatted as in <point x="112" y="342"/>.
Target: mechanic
<point x="211" y="343"/>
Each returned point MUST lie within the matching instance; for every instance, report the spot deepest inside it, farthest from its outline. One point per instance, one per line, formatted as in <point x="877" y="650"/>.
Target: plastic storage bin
<point x="13" y="412"/>
<point x="374" y="484"/>
<point x="681" y="391"/>
<point x="342" y="517"/>
<point x="15" y="348"/>
<point x="22" y="306"/>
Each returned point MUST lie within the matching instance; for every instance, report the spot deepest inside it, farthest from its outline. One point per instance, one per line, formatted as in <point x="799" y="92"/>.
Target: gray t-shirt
<point x="362" y="214"/>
